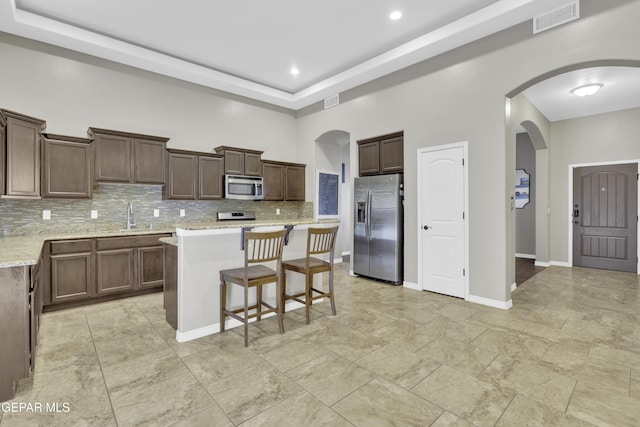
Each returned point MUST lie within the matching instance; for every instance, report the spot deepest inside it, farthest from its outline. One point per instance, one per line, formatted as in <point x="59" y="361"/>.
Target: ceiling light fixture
<point x="294" y="71"/>
<point x="395" y="15"/>
<point x="587" y="90"/>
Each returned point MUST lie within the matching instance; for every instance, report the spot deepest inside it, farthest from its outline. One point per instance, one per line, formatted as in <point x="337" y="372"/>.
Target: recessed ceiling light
<point x="294" y="71"/>
<point x="587" y="90"/>
<point x="395" y="15"/>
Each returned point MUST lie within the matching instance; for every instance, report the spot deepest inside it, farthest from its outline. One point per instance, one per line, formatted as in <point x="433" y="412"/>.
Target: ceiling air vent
<point x="556" y="17"/>
<point x="331" y="101"/>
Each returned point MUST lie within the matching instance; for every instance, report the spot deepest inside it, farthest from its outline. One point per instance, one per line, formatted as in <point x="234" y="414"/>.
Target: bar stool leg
<point x="308" y="293"/>
<point x="333" y="303"/>
<point x="279" y="307"/>
<point x="259" y="301"/>
<point x="246" y="316"/>
<point x="223" y="303"/>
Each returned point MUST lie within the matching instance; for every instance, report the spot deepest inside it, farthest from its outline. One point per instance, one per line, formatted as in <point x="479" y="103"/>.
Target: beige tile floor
<point x="568" y="353"/>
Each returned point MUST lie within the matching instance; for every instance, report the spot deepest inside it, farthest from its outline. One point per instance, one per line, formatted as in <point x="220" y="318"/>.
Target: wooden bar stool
<point x="319" y="241"/>
<point x="259" y="247"/>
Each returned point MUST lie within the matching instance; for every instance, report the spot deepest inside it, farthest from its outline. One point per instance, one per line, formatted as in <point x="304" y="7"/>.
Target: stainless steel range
<point x="236" y="216"/>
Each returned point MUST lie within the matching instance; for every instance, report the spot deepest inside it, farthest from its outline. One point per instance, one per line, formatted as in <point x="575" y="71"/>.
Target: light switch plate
<point x="156" y="213"/>
<point x="46" y="214"/>
<point x="182" y="212"/>
<point x="94" y="214"/>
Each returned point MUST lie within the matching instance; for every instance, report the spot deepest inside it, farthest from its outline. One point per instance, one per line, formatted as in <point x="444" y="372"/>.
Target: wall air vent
<point x="556" y="17"/>
<point x="331" y="101"/>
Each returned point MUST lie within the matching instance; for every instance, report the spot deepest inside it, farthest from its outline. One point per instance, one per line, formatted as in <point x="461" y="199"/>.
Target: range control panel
<point x="236" y="215"/>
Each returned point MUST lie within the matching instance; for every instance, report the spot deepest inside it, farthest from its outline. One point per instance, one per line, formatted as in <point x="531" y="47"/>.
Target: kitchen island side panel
<point x="200" y="259"/>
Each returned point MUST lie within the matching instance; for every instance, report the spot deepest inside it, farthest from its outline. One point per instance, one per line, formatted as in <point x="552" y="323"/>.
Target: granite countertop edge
<point x="17" y="251"/>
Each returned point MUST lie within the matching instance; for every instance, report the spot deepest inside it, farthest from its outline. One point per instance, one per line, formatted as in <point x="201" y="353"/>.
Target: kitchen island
<point x="193" y="306"/>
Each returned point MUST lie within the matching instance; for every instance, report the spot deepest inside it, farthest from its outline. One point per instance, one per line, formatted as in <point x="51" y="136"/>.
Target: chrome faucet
<point x="131" y="221"/>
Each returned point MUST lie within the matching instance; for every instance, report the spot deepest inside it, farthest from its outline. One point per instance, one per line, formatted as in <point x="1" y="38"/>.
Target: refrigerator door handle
<point x="369" y="214"/>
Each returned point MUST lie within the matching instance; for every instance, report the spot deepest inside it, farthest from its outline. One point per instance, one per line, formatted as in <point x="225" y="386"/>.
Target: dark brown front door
<point x="605" y="221"/>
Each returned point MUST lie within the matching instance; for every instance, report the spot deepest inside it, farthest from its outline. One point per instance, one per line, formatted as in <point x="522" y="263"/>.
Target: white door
<point x="441" y="221"/>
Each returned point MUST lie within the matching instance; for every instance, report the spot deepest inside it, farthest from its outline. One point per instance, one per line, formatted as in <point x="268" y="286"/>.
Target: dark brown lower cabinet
<point x="171" y="284"/>
<point x="114" y="271"/>
<point x="86" y="270"/>
<point x="150" y="267"/>
<point x="20" y="309"/>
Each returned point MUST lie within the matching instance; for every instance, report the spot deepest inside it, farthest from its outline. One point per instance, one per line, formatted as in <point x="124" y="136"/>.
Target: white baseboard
<point x="560" y="263"/>
<point x="232" y="323"/>
<point x="513" y="286"/>
<point x="337" y="260"/>
<point x="411" y="285"/>
<point x="351" y="273"/>
<point x="527" y="256"/>
<point x="542" y="264"/>
<point x="345" y="253"/>
<point x="503" y="305"/>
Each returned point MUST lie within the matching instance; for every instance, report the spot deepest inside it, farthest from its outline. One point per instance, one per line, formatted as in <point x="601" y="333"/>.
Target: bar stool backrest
<point x="321" y="241"/>
<point x="263" y="246"/>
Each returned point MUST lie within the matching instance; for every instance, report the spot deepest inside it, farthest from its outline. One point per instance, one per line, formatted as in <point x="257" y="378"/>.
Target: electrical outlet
<point x="182" y="212"/>
<point x="156" y="213"/>
<point x="46" y="214"/>
<point x="278" y="211"/>
<point x="94" y="214"/>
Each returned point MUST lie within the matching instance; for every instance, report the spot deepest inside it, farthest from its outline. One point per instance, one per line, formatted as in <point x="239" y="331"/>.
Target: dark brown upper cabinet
<point x="66" y="171"/>
<point x="283" y="181"/>
<point x="273" y="179"/>
<point x="240" y="161"/>
<point x="22" y="144"/>
<point x="193" y="176"/>
<point x="128" y="157"/>
<point x="381" y="155"/>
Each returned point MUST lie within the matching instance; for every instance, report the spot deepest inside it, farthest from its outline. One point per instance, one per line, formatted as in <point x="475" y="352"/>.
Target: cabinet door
<point x="233" y="162"/>
<point x="252" y="164"/>
<point x="210" y="177"/>
<point x="151" y="267"/>
<point x="295" y="183"/>
<point x="149" y="159"/>
<point x="113" y="158"/>
<point x="114" y="271"/>
<point x="182" y="182"/>
<point x="67" y="169"/>
<point x="23" y="158"/>
<point x="2" y="158"/>
<point x="171" y="284"/>
<point x="369" y="158"/>
<point x="273" y="177"/>
<point x="391" y="155"/>
<point x="71" y="277"/>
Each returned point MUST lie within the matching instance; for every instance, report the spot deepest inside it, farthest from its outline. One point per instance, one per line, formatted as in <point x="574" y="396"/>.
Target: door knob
<point x="426" y="227"/>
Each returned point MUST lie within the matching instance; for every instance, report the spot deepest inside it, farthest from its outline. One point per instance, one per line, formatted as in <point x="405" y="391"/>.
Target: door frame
<point x="465" y="182"/>
<point x="572" y="166"/>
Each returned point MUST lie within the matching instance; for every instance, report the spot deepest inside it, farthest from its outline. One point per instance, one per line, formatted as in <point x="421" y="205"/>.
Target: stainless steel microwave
<point x="243" y="187"/>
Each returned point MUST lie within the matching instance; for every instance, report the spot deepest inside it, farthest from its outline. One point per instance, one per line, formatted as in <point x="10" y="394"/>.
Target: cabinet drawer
<point x="129" y="242"/>
<point x="70" y="246"/>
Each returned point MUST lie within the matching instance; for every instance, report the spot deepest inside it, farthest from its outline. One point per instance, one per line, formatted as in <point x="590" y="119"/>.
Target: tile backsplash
<point x="23" y="216"/>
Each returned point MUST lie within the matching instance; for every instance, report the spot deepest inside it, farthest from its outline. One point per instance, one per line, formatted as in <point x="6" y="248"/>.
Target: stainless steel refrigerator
<point x="378" y="227"/>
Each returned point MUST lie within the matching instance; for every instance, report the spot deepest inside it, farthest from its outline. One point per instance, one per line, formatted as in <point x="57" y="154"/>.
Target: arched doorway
<point x="332" y="153"/>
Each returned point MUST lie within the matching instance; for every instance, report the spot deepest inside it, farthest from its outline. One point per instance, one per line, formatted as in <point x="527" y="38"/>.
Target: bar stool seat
<point x="319" y="241"/>
<point x="259" y="247"/>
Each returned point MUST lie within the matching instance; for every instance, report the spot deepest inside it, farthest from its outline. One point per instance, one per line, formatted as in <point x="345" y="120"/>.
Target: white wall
<point x="460" y="96"/>
<point x="72" y="91"/>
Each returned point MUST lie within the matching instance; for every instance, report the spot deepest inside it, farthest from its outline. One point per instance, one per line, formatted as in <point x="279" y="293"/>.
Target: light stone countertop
<point x="25" y="250"/>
